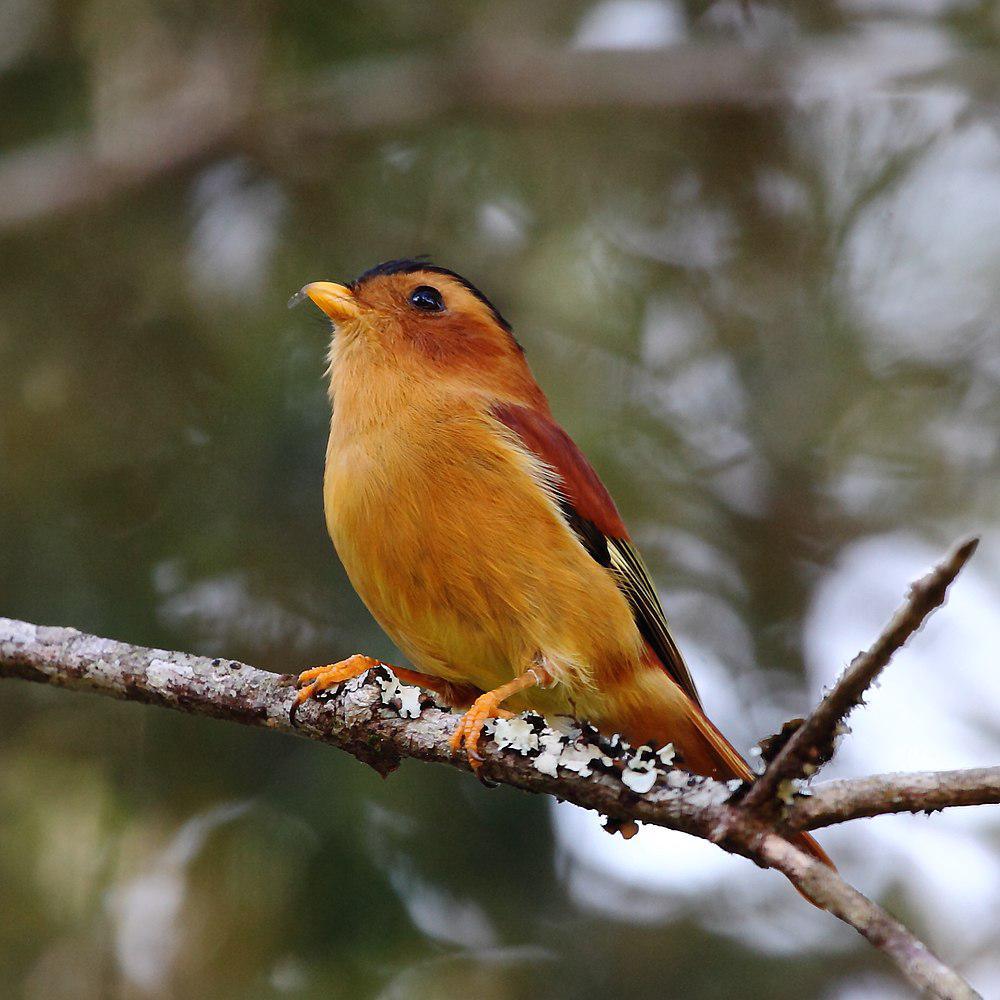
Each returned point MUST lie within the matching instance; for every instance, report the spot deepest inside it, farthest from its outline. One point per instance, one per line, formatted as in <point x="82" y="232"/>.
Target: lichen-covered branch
<point x="812" y="744"/>
<point x="371" y="717"/>
<point x="911" y="791"/>
<point x="381" y="722"/>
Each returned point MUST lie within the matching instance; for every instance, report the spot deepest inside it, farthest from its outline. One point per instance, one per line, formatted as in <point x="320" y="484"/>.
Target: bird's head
<point x="414" y="313"/>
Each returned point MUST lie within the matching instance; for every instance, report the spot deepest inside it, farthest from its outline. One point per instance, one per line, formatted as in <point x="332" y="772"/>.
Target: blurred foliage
<point x="769" y="320"/>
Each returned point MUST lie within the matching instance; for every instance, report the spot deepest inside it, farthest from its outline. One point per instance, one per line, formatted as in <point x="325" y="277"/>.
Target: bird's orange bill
<point x="337" y="301"/>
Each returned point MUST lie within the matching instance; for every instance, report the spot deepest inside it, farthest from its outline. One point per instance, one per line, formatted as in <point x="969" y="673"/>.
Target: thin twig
<point x="813" y="741"/>
<point x="830" y="892"/>
<point x="914" y="791"/>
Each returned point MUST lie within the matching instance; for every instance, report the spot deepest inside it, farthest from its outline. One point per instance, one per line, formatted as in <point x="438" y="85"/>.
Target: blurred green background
<point x="754" y="255"/>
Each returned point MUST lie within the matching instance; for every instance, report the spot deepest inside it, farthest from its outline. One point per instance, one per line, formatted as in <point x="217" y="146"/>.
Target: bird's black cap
<point x="407" y="265"/>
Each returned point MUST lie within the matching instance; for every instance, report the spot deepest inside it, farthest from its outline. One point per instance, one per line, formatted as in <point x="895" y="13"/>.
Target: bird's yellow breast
<point x="446" y="533"/>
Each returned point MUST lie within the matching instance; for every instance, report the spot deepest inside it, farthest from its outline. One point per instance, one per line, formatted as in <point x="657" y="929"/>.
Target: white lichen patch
<point x="564" y="743"/>
<point x="408" y="695"/>
<point x="161" y="672"/>
<point x="555" y="745"/>
<point x="17" y="632"/>
<point x="547" y="762"/>
<point x="578" y="756"/>
<point x="640" y="781"/>
<point x="565" y="726"/>
<point x="705" y="793"/>
<point x="514" y="734"/>
<point x="640" y="771"/>
<point x="390" y="686"/>
<point x="552" y="742"/>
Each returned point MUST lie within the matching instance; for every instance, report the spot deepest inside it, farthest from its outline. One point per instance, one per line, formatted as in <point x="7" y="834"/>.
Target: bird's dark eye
<point x="427" y="298"/>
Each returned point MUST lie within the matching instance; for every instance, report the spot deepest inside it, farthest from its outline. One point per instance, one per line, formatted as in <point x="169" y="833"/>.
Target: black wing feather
<point x="623" y="560"/>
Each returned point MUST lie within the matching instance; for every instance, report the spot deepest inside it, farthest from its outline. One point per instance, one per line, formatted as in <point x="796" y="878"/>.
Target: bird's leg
<point x="487" y="706"/>
<point x="311" y="682"/>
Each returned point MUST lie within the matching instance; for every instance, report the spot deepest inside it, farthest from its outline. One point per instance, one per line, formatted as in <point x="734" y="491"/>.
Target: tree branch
<point x="912" y="791"/>
<point x="358" y="719"/>
<point x="380" y="722"/>
<point x="812" y="744"/>
<point x="234" y="112"/>
<point x="70" y="173"/>
<point x="830" y="892"/>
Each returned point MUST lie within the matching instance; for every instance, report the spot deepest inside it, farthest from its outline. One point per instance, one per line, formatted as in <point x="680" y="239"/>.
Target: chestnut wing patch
<point x="592" y="515"/>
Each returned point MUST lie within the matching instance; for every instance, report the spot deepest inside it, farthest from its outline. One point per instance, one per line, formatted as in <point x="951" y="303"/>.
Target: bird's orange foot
<point x="318" y="679"/>
<point x="487" y="706"/>
<point x="470" y="726"/>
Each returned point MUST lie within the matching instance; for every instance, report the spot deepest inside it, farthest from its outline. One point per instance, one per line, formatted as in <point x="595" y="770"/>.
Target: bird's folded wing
<point x="594" y="518"/>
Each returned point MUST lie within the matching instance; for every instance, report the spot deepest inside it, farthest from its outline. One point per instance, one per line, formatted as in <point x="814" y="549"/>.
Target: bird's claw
<point x="469" y="730"/>
<point x="318" y="679"/>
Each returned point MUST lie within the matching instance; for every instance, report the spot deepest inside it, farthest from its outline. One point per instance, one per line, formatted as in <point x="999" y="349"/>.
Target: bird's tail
<point x="713" y="750"/>
<point x="657" y="711"/>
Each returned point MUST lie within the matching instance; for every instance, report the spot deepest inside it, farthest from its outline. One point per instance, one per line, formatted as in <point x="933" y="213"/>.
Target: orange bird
<point x="477" y="533"/>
